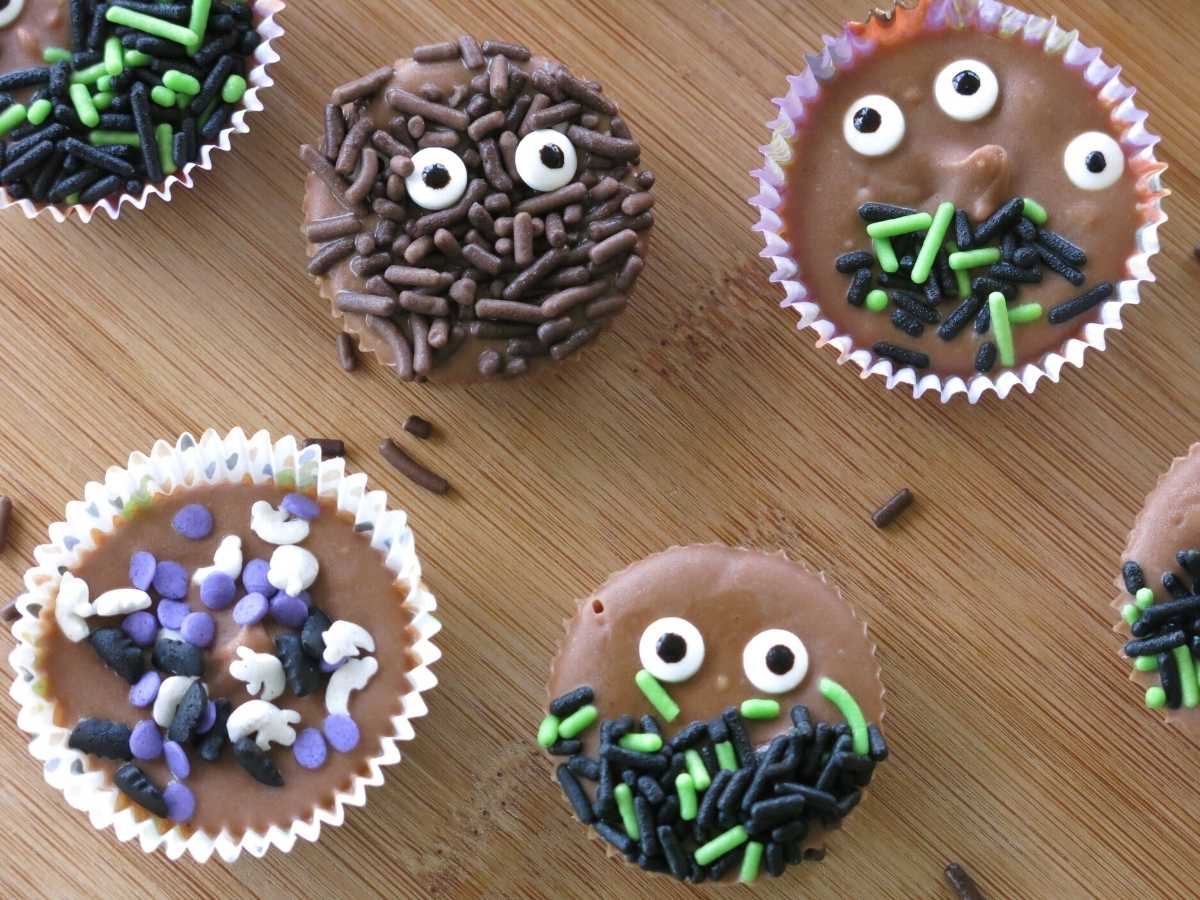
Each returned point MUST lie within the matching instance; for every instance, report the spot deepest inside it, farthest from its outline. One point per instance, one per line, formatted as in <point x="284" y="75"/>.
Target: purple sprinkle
<point x="341" y="732"/>
<point x="198" y="628"/>
<point x="181" y="802"/>
<point x="177" y="760"/>
<point x="301" y="506"/>
<point x="144" y="691"/>
<point x="309" y="749"/>
<point x="254" y="578"/>
<point x="171" y="580"/>
<point x="288" y="610"/>
<point x="217" y="590"/>
<point x="145" y="741"/>
<point x="141" y="570"/>
<point x="171" y="613"/>
<point x="250" y="609"/>
<point x="194" y="521"/>
<point x="207" y="719"/>
<point x="141" y="627"/>
<point x="332" y="667"/>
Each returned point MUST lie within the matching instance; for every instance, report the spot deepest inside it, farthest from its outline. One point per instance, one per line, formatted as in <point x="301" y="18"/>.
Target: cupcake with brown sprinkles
<point x="475" y="211"/>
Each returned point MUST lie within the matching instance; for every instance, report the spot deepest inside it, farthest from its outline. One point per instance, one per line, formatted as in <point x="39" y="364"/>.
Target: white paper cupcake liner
<point x="257" y="80"/>
<point x="855" y="42"/>
<point x="210" y="460"/>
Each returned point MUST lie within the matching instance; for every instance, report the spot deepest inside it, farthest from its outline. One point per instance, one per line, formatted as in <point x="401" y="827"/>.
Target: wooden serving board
<point x="1019" y="748"/>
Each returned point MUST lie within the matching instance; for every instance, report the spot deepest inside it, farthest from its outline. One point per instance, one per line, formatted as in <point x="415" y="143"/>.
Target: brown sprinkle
<point x="519" y="52"/>
<point x="962" y="883"/>
<point x="329" y="446"/>
<point x="442" y="52"/>
<point x="366" y="304"/>
<point x="411" y="469"/>
<point x="891" y="511"/>
<point x="352" y="146"/>
<point x="347" y="355"/>
<point x="335" y="131"/>
<point x="320" y="167"/>
<point x="327" y="229"/>
<point x="330" y="254"/>
<point x="406" y="102"/>
<point x="6" y="507"/>
<point x="578" y="338"/>
<point x="387" y="331"/>
<point x="419" y="427"/>
<point x="361" y="87"/>
<point x="470" y="52"/>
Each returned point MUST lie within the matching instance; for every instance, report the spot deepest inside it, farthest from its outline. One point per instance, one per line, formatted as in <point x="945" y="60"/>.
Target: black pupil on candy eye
<point x="780" y="659"/>
<point x="867" y="120"/>
<point x="966" y="82"/>
<point x="436" y="176"/>
<point x="1095" y="162"/>
<point x="671" y="648"/>
<point x="552" y="156"/>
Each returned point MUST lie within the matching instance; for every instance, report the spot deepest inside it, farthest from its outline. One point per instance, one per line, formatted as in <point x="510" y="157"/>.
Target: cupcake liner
<point x="257" y="80"/>
<point x="210" y="460"/>
<point x="858" y="40"/>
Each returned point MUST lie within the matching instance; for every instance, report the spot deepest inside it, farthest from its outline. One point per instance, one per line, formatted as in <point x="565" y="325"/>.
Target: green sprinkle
<point x="751" y="860"/>
<point x="840" y="697"/>
<point x="877" y="300"/>
<point x="1156" y="697"/>
<point x="1187" y="677"/>
<point x="91" y="74"/>
<point x="183" y="101"/>
<point x="1001" y="330"/>
<point x="642" y="743"/>
<point x="234" y="89"/>
<point x="578" y="721"/>
<point x="721" y="844"/>
<point x="890" y="228"/>
<point x="1035" y="212"/>
<point x="166" y="150"/>
<point x="1130" y="613"/>
<point x="136" y="59"/>
<point x="104" y="84"/>
<point x="181" y="82"/>
<point x="726" y="758"/>
<point x="686" y="789"/>
<point x="760" y="709"/>
<point x="84" y="107"/>
<point x="886" y="255"/>
<point x="973" y="259"/>
<point x="961" y="278"/>
<point x="1144" y="597"/>
<point x="39" y="111"/>
<point x="548" y="731"/>
<point x="102" y="101"/>
<point x="1145" y="663"/>
<point x="286" y="478"/>
<point x="168" y="31"/>
<point x="1025" y="313"/>
<point x="12" y="117"/>
<point x="932" y="243"/>
<point x="657" y="695"/>
<point x="198" y="23"/>
<point x="55" y="54"/>
<point x="695" y="766"/>
<point x="624" y="798"/>
<point x="162" y="95"/>
<point x="114" y="56"/>
<point x="72" y="199"/>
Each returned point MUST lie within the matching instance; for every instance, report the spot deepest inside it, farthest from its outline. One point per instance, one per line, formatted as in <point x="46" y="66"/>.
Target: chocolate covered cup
<point x="960" y="196"/>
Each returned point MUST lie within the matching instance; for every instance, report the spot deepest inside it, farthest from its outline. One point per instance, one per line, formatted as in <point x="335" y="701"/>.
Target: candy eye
<point x="1094" y="161"/>
<point x="546" y="160"/>
<point x="775" y="661"/>
<point x="438" y="179"/>
<point x="9" y="11"/>
<point x="966" y="90"/>
<point x="671" y="649"/>
<point x="874" y="125"/>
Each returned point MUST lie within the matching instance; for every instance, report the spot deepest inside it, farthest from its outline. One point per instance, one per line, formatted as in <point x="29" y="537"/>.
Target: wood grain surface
<point x="1019" y="748"/>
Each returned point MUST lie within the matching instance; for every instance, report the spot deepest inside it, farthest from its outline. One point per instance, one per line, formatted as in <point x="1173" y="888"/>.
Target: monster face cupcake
<point x="960" y="196"/>
<point x="475" y="211"/>
<point x="223" y="645"/>
<point x="1160" y="601"/>
<point x="714" y="712"/>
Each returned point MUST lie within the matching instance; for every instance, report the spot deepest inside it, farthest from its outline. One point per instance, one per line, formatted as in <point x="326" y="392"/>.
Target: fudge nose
<point x="981" y="180"/>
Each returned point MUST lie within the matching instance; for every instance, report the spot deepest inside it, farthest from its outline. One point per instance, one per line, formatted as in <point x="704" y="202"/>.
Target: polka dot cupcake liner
<point x="257" y="81"/>
<point x="859" y="40"/>
<point x="211" y="459"/>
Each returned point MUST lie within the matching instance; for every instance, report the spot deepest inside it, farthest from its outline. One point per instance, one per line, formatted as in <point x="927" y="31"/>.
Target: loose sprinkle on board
<point x="962" y="883"/>
<point x="893" y="509"/>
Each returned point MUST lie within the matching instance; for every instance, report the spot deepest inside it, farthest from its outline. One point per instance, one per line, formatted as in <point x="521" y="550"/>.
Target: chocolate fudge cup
<point x="1160" y="595"/>
<point x="714" y="713"/>
<point x="222" y="645"/>
<point x="475" y="212"/>
<point x="959" y="196"/>
<point x="103" y="105"/>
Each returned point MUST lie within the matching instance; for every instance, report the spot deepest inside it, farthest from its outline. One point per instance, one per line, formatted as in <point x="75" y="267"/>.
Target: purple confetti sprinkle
<point x="309" y="749"/>
<point x="301" y="506"/>
<point x="177" y="760"/>
<point x="332" y="667"/>
<point x="144" y="691"/>
<point x="145" y="741"/>
<point x="289" y="611"/>
<point x="207" y="719"/>
<point x="141" y="570"/>
<point x="198" y="628"/>
<point x="341" y="732"/>
<point x="254" y="578"/>
<point x="194" y="521"/>
<point x="250" y="609"/>
<point x="141" y="627"/>
<point x="171" y="580"/>
<point x="217" y="590"/>
<point x="171" y="613"/>
<point x="181" y="802"/>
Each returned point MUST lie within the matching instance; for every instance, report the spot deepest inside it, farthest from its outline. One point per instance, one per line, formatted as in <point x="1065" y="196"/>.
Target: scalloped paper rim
<point x="258" y="80"/>
<point x="1008" y="22"/>
<point x="189" y="462"/>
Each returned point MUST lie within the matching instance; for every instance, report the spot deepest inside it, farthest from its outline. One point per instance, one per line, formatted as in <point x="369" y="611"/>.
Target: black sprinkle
<point x="1189" y="561"/>
<point x="137" y="786"/>
<point x="985" y="357"/>
<point x="1168" y="676"/>
<point x="964" y="239"/>
<point x="647" y="828"/>
<point x="983" y="319"/>
<point x="100" y="737"/>
<point x="584" y="767"/>
<point x="212" y="742"/>
<point x="914" y="358"/>
<point x="571" y="701"/>
<point x="915" y="307"/>
<point x="576" y="796"/>
<point x="188" y="713"/>
<point x="773" y="859"/>
<point x="255" y="760"/>
<point x="1060" y="266"/>
<point x="1155" y="645"/>
<point x="1174" y="585"/>
<point x="303" y="674"/>
<point x="178" y="657"/>
<point x="1025" y="257"/>
<point x="1000" y="221"/>
<point x="880" y="212"/>
<point x="860" y="284"/>
<point x="565" y="747"/>
<point x="312" y="632"/>
<point x="119" y="653"/>
<point x="802" y="722"/>
<point x="706" y="814"/>
<point x="633" y="759"/>
<point x="742" y="747"/>
<point x="853" y="261"/>
<point x="614" y="836"/>
<point x="1087" y="300"/>
<point x="1061" y="247"/>
<point x="677" y="860"/>
<point x="1007" y="271"/>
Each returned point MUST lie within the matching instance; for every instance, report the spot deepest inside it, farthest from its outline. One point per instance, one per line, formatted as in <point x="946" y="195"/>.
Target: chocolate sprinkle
<point x="411" y="469"/>
<point x="893" y="509"/>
